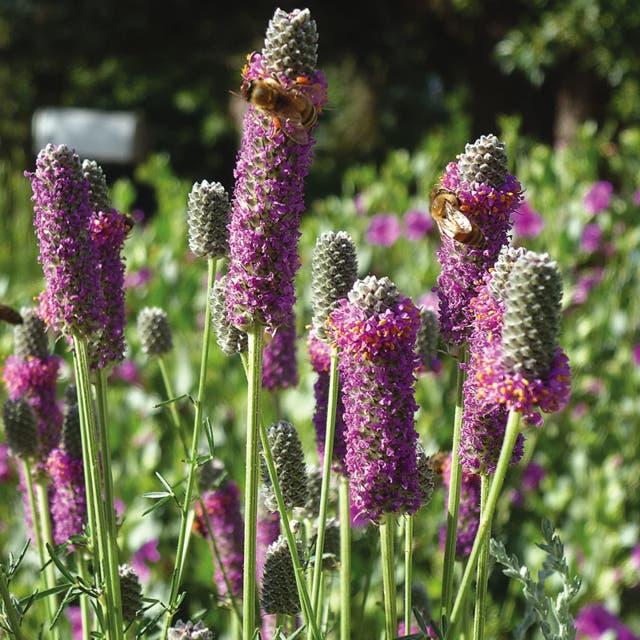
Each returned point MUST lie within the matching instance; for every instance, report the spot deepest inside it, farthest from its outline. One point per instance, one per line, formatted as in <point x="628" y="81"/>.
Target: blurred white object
<point x="105" y="136"/>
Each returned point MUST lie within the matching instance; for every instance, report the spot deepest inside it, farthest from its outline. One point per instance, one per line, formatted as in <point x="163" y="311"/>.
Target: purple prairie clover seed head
<point x="99" y="199"/>
<point x="207" y="218"/>
<point x="278" y="593"/>
<point x="30" y="337"/>
<point x="375" y="330"/>
<point x="73" y="301"/>
<point x="489" y="204"/>
<point x="189" y="631"/>
<point x="154" y="331"/>
<point x="131" y="593"/>
<point x="20" y="428"/>
<point x="230" y="339"/>
<point x="272" y="164"/>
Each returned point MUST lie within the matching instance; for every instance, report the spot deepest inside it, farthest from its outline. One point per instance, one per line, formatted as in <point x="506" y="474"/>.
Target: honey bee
<point x="10" y="315"/>
<point x="452" y="222"/>
<point x="291" y="109"/>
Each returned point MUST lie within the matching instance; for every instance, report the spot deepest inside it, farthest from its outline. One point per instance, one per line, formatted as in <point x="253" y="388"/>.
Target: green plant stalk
<point x="482" y="577"/>
<point x="387" y="526"/>
<point x="254" y="392"/>
<point x="37" y="509"/>
<point x="486" y="517"/>
<point x="330" y="430"/>
<point x="112" y="532"/>
<point x="85" y="608"/>
<point x="186" y="513"/>
<point x="9" y="607"/>
<point x="301" y="584"/>
<point x="408" y="570"/>
<point x="345" y="558"/>
<point x="173" y="410"/>
<point x="453" y="503"/>
<point x="93" y="485"/>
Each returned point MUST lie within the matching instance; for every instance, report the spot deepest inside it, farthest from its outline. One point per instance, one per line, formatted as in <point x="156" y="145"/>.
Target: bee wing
<point x="294" y="129"/>
<point x="454" y="223"/>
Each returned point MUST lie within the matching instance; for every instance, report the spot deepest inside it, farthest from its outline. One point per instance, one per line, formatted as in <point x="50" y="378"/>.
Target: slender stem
<point x="186" y="513"/>
<point x="486" y="518"/>
<point x="301" y="583"/>
<point x="173" y="409"/>
<point x="482" y="577"/>
<point x="408" y="570"/>
<point x="93" y="483"/>
<point x="254" y="384"/>
<point x="345" y="559"/>
<point x="85" y="608"/>
<point x="110" y="513"/>
<point x="387" y="526"/>
<point x="453" y="502"/>
<point x="332" y="404"/>
<point x="36" y="523"/>
<point x="9" y="607"/>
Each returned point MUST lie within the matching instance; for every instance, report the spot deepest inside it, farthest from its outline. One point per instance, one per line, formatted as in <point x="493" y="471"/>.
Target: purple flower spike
<point x="273" y="161"/>
<point x="73" y="300"/>
<point x="280" y="368"/>
<point x="375" y="330"/>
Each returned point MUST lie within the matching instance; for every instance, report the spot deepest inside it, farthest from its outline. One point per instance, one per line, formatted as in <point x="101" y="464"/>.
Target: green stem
<point x="186" y="513"/>
<point x="301" y="583"/>
<point x="252" y="466"/>
<point x="37" y="507"/>
<point x="387" y="526"/>
<point x="85" y="605"/>
<point x="9" y="607"/>
<point x="332" y="404"/>
<point x="173" y="409"/>
<point x="486" y="518"/>
<point x="408" y="570"/>
<point x="482" y="577"/>
<point x="453" y="502"/>
<point x="345" y="559"/>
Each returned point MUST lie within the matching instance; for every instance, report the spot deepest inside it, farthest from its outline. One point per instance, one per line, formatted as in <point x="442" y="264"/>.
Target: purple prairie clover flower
<point x="147" y="554"/>
<point x="585" y="283"/>
<point x="375" y="330"/>
<point x="280" y="367"/>
<point x="636" y="197"/>
<point x="594" y="620"/>
<point x="418" y="223"/>
<point x="384" y="229"/>
<point x="73" y="300"/>
<point x="137" y="279"/>
<point x="635" y="354"/>
<point x="273" y="162"/>
<point x="527" y="223"/>
<point x="225" y="522"/>
<point x="68" y="501"/>
<point x="7" y="471"/>
<point x="597" y="199"/>
<point x="490" y="205"/>
<point x="109" y="231"/>
<point x="591" y="239"/>
<point x="35" y="379"/>
<point x="320" y="356"/>
<point x="74" y="615"/>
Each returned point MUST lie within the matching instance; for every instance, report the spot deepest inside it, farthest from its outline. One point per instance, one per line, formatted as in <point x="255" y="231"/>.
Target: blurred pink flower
<point x="598" y="197"/>
<point x="360" y="204"/>
<point x="584" y="285"/>
<point x="146" y="554"/>
<point x="6" y="466"/>
<point x="384" y="229"/>
<point x="418" y="223"/>
<point x="527" y="223"/>
<point x="591" y="237"/>
<point x="75" y="618"/>
<point x="636" y="354"/>
<point x="635" y="557"/>
<point x="136" y="279"/>
<point x="594" y="620"/>
<point x="126" y="371"/>
<point x="428" y="301"/>
<point x="636" y="197"/>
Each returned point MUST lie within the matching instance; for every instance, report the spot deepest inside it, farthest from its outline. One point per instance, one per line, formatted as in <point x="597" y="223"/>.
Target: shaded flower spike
<point x="427" y="339"/>
<point x="273" y="162"/>
<point x="207" y="217"/>
<point x="279" y="593"/>
<point x="334" y="269"/>
<point x="189" y="631"/>
<point x="291" y="470"/>
<point x="73" y="300"/>
<point x="280" y="365"/>
<point x="331" y="547"/>
<point x="154" y="331"/>
<point x="20" y="427"/>
<point x="230" y="339"/>
<point x="131" y="592"/>
<point x="375" y="330"/>
<point x="30" y="337"/>
<point x="70" y="439"/>
<point x="99" y="199"/>
<point x="488" y="196"/>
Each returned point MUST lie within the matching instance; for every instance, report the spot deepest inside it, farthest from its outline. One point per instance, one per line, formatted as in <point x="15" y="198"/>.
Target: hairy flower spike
<point x="375" y="330"/>
<point x="484" y="161"/>
<point x="532" y="316"/>
<point x="20" y="427"/>
<point x="207" y="217"/>
<point x="291" y="44"/>
<point x="99" y="199"/>
<point x="189" y="631"/>
<point x="288" y="458"/>
<point x="230" y="339"/>
<point x="131" y="592"/>
<point x="30" y="337"/>
<point x="154" y="331"/>
<point x="279" y="593"/>
<point x="334" y="269"/>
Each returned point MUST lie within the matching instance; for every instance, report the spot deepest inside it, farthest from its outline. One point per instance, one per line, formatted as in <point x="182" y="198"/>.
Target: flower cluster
<point x="280" y="367"/>
<point x="375" y="330"/>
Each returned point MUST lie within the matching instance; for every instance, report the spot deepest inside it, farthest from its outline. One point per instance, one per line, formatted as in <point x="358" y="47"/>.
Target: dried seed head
<point x="21" y="428"/>
<point x="154" y="331"/>
<point x="131" y="593"/>
<point x="427" y="337"/>
<point x="30" y="337"/>
<point x="230" y="339"/>
<point x="98" y="191"/>
<point x="484" y="162"/>
<point x="70" y="437"/>
<point x="374" y="295"/>
<point x="189" y="631"/>
<point x="279" y="593"/>
<point x="501" y="270"/>
<point x="207" y="218"/>
<point x="331" y="547"/>
<point x="426" y="474"/>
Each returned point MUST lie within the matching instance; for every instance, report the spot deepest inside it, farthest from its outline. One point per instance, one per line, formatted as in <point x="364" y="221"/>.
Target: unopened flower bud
<point x="484" y="161"/>
<point x="154" y="331"/>
<point x="207" y="218"/>
<point x="279" y="593"/>
<point x="21" y="428"/>
<point x="131" y="593"/>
